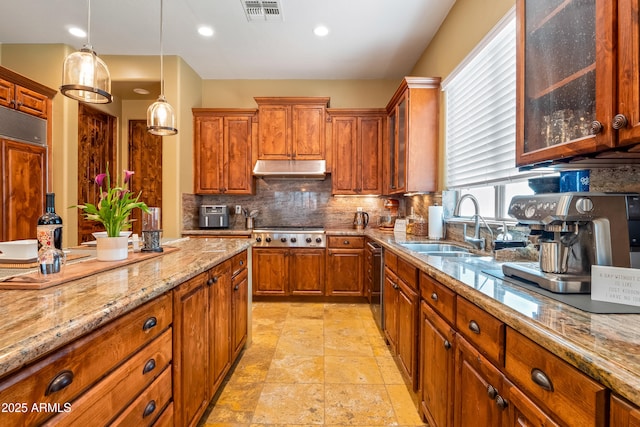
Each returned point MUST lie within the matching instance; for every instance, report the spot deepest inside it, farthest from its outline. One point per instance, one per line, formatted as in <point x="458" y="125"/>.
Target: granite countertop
<point x="36" y="322"/>
<point x="604" y="346"/>
<point x="217" y="232"/>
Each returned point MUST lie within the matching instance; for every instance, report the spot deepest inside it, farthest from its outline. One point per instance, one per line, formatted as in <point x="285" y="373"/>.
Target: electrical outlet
<point x="238" y="209"/>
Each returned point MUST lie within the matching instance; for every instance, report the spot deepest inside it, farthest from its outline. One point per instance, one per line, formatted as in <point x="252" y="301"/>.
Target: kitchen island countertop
<point x="606" y="347"/>
<point x="35" y="322"/>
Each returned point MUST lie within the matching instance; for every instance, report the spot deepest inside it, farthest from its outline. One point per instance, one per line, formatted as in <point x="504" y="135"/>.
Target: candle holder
<point x="151" y="231"/>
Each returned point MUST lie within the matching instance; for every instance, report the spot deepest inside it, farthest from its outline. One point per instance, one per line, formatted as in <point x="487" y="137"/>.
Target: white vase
<point x="112" y="248"/>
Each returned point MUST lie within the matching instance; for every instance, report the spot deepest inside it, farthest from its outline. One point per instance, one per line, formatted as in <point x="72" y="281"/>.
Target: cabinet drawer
<point x="438" y="297"/>
<point x="408" y="273"/>
<point x="481" y="329"/>
<point x="238" y="262"/>
<point x="110" y="396"/>
<point x="569" y="394"/>
<point x="391" y="261"/>
<point x="148" y="406"/>
<point x="62" y="376"/>
<point x="166" y="419"/>
<point x="345" y="242"/>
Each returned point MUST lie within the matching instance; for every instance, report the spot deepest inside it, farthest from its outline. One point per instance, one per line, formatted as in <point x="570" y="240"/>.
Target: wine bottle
<point x="50" y="217"/>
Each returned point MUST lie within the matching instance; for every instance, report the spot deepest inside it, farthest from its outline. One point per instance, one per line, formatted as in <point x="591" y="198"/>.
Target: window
<point x="480" y="124"/>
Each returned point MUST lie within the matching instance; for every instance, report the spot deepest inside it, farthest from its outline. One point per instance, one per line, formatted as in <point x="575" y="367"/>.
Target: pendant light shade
<point x="161" y="119"/>
<point x="85" y="77"/>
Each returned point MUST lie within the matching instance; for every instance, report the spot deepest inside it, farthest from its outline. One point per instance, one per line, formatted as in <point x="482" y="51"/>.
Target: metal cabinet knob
<point x="492" y="392"/>
<point x="619" y="121"/>
<point x="501" y="402"/>
<point x="434" y="296"/>
<point x="596" y="127"/>
<point x="447" y="345"/>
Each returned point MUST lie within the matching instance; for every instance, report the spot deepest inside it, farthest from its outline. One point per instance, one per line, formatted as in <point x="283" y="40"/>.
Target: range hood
<point x="290" y="169"/>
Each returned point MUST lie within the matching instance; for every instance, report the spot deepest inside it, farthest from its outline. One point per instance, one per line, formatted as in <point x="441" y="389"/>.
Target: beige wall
<point x="343" y="93"/>
<point x="467" y="24"/>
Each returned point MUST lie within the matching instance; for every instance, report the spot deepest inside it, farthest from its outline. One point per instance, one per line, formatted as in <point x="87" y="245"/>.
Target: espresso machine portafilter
<point x="573" y="232"/>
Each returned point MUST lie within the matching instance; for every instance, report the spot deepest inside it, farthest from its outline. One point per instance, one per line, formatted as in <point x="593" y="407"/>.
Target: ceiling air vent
<point x="262" y="10"/>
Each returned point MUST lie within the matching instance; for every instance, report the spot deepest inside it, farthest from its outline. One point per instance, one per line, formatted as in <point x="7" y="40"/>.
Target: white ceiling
<point x="368" y="39"/>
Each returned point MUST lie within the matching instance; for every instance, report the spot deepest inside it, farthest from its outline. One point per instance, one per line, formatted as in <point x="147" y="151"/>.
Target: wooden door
<point x="96" y="148"/>
<point x="190" y="350"/>
<point x="7" y="93"/>
<point x="208" y="154"/>
<point x="623" y="413"/>
<point x="236" y="165"/>
<point x="274" y="132"/>
<point x="31" y="102"/>
<point x="474" y="375"/>
<point x="437" y="359"/>
<point x="522" y="412"/>
<point x="344" y="272"/>
<point x="407" y="310"/>
<point x="145" y="159"/>
<point x="308" y="136"/>
<point x="23" y="181"/>
<point x="306" y="272"/>
<point x="344" y="140"/>
<point x="239" y="307"/>
<point x="219" y="284"/>
<point x="370" y="131"/>
<point x="270" y="271"/>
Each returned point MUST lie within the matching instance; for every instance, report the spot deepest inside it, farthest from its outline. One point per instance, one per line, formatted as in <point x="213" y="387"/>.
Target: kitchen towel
<point x="436" y="225"/>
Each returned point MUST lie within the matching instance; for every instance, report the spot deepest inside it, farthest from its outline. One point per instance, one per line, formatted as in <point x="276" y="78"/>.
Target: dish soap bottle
<point x="48" y="218"/>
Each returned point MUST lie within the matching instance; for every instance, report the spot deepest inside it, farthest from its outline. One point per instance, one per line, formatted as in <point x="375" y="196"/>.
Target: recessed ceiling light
<point x="78" y="32"/>
<point x="141" y="91"/>
<point x="205" y="31"/>
<point x="321" y="31"/>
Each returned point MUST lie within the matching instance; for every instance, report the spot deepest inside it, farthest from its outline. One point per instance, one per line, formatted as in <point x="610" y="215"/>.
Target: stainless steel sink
<point x="456" y="254"/>
<point x="434" y="247"/>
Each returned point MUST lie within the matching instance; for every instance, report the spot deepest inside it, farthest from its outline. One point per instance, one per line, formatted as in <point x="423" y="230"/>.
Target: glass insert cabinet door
<point x="563" y="77"/>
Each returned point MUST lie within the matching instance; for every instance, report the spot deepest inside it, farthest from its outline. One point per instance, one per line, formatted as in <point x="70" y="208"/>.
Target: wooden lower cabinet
<point x="345" y="266"/>
<point x="437" y="361"/>
<point x="623" y="413"/>
<point x="210" y="324"/>
<point x="23" y="171"/>
<point x="286" y="271"/>
<point x="478" y="385"/>
<point x="97" y="376"/>
<point x="401" y="308"/>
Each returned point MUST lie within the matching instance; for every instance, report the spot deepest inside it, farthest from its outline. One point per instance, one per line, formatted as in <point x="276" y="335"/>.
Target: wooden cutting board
<point x="77" y="271"/>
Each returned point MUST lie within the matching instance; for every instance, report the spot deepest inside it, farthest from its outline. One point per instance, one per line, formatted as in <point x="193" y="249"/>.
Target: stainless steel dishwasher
<point x="377" y="287"/>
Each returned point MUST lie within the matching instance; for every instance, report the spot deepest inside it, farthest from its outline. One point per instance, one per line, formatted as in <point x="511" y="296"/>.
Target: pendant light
<point x="161" y="119"/>
<point x="85" y="77"/>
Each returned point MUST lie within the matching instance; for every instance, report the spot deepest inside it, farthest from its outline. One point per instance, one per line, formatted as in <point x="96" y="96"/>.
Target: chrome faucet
<point x="476" y="241"/>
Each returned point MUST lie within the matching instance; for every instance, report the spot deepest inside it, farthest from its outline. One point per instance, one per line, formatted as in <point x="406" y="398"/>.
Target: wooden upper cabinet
<point x="291" y="128"/>
<point x="589" y="102"/>
<point x="223" y="141"/>
<point x="357" y="138"/>
<point x="25" y="95"/>
<point x="411" y="147"/>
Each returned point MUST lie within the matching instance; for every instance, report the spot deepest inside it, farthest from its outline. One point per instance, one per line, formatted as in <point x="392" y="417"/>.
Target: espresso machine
<point x="573" y="232"/>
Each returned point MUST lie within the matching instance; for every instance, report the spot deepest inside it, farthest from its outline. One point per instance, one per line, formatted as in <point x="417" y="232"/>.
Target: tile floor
<point x="314" y="364"/>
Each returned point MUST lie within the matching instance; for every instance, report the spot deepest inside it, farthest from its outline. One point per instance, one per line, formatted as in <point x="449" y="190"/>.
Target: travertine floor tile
<point x="314" y="364"/>
<point x="290" y="404"/>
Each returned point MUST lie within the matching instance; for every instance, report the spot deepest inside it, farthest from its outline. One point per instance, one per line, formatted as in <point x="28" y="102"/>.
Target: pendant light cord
<point x="161" y="53"/>
<point x="89" y="24"/>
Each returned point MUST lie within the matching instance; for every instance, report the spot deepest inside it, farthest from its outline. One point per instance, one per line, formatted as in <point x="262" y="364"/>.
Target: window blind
<point x="480" y="110"/>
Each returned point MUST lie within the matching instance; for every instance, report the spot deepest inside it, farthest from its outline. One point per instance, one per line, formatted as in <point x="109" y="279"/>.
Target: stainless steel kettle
<point x="360" y="220"/>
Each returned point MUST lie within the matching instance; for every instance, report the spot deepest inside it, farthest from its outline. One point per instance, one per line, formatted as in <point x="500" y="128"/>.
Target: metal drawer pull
<point x="149" y="366"/>
<point x="474" y="327"/>
<point x="492" y="392"/>
<point x="447" y="345"/>
<point x="151" y="322"/>
<point x="148" y="410"/>
<point x="61" y="381"/>
<point x="241" y="262"/>
<point x="541" y="379"/>
<point x="346" y="242"/>
<point x="236" y="287"/>
<point x="501" y="402"/>
<point x="434" y="296"/>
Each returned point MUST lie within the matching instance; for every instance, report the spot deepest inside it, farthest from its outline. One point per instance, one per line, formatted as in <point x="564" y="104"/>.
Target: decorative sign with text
<point x="615" y="284"/>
